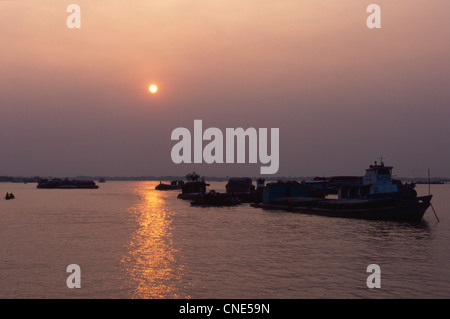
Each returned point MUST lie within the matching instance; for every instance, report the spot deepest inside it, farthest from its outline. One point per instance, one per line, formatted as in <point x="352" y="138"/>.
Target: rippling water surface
<point x="132" y="241"/>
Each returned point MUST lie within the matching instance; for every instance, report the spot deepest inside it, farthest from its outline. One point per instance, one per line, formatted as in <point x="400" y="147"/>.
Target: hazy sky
<point x="76" y="101"/>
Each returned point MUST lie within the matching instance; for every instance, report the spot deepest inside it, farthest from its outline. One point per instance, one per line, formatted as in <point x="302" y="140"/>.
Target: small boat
<point x="375" y="196"/>
<point x="9" y="196"/>
<point x="173" y="185"/>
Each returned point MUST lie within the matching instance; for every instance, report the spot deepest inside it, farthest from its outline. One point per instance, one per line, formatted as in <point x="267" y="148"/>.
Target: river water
<point x="131" y="241"/>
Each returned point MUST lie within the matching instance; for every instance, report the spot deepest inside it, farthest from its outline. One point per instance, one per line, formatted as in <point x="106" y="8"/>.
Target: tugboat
<point x="377" y="183"/>
<point x="375" y="196"/>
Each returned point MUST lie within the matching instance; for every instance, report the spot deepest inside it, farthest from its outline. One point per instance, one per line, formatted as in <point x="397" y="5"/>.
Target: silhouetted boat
<point x="433" y="183"/>
<point x="66" y="184"/>
<point x="173" y="185"/>
<point x="213" y="198"/>
<point x="411" y="209"/>
<point x="377" y="196"/>
<point x="9" y="196"/>
<point x="242" y="188"/>
<point x="193" y="189"/>
<point x="238" y="185"/>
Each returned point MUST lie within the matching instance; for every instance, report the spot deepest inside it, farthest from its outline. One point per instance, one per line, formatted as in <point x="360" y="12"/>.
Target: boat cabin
<point x="376" y="183"/>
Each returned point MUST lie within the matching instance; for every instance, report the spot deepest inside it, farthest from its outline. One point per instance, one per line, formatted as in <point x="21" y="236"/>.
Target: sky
<point x="76" y="101"/>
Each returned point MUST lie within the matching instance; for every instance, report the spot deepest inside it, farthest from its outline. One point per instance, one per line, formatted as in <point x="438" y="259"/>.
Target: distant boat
<point x="215" y="199"/>
<point x="101" y="180"/>
<point x="66" y="184"/>
<point x="376" y="196"/>
<point x="193" y="189"/>
<point x="238" y="185"/>
<point x="434" y="182"/>
<point x="242" y="188"/>
<point x="173" y="185"/>
<point x="9" y="196"/>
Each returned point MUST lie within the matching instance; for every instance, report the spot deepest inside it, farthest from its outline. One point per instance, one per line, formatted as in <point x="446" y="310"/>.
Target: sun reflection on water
<point x="151" y="262"/>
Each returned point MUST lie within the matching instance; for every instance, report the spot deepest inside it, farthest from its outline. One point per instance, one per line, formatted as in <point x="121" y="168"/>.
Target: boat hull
<point x="66" y="184"/>
<point x="410" y="209"/>
<point x="165" y="187"/>
<point x="67" y="187"/>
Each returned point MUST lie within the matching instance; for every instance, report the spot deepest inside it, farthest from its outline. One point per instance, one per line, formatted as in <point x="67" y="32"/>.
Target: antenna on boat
<point x="434" y="212"/>
<point x="429" y="193"/>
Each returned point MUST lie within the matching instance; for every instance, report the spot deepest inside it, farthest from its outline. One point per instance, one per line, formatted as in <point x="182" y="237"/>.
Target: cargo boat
<point x="57" y="183"/>
<point x="167" y="187"/>
<point x="377" y="196"/>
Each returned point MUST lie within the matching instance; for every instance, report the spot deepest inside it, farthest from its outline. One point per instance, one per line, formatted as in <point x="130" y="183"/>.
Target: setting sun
<point x="153" y="88"/>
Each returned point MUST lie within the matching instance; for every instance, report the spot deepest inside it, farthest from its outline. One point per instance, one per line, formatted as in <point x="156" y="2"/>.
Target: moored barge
<point x="377" y="196"/>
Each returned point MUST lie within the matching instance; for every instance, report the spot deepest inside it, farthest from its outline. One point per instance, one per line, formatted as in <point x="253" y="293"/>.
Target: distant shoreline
<point x="35" y="179"/>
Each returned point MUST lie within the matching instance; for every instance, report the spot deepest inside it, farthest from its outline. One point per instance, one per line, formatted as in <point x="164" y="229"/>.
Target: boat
<point x="376" y="197"/>
<point x="57" y="183"/>
<point x="410" y="209"/>
<point x="239" y="185"/>
<point x="215" y="199"/>
<point x="242" y="188"/>
<point x="193" y="189"/>
<point x="433" y="183"/>
<point x="173" y="185"/>
<point x="9" y="196"/>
